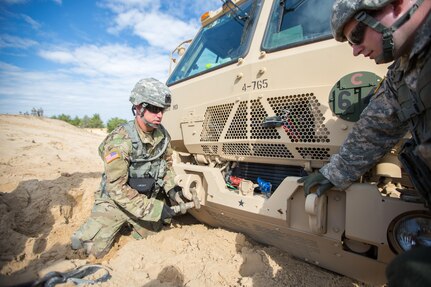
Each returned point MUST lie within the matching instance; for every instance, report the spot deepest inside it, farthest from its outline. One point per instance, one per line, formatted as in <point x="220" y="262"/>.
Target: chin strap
<point x="387" y="32"/>
<point x="141" y="113"/>
<point x="150" y="124"/>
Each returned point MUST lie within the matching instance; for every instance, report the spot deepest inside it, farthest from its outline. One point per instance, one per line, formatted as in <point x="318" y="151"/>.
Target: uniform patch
<point x="112" y="156"/>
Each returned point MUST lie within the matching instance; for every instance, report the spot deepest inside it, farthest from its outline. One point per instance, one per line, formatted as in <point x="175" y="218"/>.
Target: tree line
<point x="95" y="122"/>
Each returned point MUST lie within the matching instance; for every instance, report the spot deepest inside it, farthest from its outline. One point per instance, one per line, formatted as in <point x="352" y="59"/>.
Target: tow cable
<point x="75" y="276"/>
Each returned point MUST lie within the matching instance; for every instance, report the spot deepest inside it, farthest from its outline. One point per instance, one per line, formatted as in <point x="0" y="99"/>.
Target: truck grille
<point x="234" y="128"/>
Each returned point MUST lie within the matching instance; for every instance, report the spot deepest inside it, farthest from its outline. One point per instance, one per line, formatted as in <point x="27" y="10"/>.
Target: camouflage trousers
<point x="98" y="233"/>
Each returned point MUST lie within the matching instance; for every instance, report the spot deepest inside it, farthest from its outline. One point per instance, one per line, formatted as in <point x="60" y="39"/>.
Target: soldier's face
<point x="149" y="118"/>
<point x="153" y="115"/>
<point x="365" y="40"/>
<point x="360" y="38"/>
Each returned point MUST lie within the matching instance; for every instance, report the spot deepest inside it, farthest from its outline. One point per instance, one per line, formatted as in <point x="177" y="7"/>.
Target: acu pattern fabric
<point x="118" y="203"/>
<point x="344" y="10"/>
<point x="380" y="128"/>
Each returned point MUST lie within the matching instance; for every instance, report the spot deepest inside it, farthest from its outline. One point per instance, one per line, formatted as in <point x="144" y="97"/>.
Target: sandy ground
<point x="49" y="173"/>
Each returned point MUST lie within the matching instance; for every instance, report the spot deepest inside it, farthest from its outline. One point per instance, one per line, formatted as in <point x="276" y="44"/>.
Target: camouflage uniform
<point x="128" y="152"/>
<point x="402" y="104"/>
<point x="380" y="126"/>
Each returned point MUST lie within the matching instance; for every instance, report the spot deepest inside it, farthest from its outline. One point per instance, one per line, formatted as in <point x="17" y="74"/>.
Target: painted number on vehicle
<point x="351" y="94"/>
<point x="255" y="85"/>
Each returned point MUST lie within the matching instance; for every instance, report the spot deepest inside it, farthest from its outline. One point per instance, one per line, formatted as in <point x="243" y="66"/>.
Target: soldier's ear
<point x="139" y="110"/>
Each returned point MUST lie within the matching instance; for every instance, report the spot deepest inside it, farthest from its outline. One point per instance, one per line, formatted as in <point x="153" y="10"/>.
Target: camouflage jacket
<point x="379" y="129"/>
<point x="116" y="152"/>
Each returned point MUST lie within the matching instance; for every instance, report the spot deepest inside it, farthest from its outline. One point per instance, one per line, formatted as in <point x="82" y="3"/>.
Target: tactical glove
<point x="173" y="193"/>
<point x="315" y="179"/>
<point x="167" y="212"/>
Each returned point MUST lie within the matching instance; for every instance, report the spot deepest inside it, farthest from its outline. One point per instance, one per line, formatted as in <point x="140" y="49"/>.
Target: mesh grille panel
<point x="263" y="150"/>
<point x="237" y="149"/>
<point x="271" y="150"/>
<point x="303" y="121"/>
<point x="214" y="122"/>
<point x="209" y="149"/>
<point x="238" y="127"/>
<point x="258" y="114"/>
<point x="314" y="153"/>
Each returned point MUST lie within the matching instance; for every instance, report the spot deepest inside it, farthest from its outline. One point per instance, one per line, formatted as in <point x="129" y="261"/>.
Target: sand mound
<point x="50" y="171"/>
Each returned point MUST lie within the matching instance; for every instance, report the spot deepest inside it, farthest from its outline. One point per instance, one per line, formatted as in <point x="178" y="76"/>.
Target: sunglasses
<point x="356" y="37"/>
<point x="154" y="110"/>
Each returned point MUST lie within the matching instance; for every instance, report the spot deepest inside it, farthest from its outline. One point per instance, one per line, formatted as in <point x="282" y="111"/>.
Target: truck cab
<point x="264" y="95"/>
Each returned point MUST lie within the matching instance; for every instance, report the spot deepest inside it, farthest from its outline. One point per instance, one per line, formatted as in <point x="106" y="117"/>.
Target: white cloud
<point x="163" y="30"/>
<point x="62" y="57"/>
<point x="9" y="41"/>
<point x="98" y="78"/>
<point x="59" y="92"/>
<point x="93" y="79"/>
<point x="184" y="8"/>
<point x="114" y="60"/>
<point x="33" y="23"/>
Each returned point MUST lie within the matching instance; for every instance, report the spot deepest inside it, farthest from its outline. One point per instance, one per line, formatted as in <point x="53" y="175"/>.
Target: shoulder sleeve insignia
<point x="113" y="155"/>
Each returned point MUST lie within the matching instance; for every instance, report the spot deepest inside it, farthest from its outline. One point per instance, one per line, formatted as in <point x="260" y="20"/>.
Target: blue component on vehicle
<point x="264" y="186"/>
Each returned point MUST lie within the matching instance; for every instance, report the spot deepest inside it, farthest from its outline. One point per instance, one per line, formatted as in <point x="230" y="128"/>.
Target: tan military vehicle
<point x="264" y="95"/>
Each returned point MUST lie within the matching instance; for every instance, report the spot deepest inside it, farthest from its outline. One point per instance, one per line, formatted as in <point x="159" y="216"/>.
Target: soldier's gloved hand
<point x="173" y="193"/>
<point x="315" y="179"/>
<point x="167" y="212"/>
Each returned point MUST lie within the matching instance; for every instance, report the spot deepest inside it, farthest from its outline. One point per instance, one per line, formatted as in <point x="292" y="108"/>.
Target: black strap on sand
<point x="75" y="276"/>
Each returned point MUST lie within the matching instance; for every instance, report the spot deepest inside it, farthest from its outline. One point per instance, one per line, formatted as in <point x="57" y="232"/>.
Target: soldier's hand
<point x="167" y="212"/>
<point x="173" y="194"/>
<point x="315" y="179"/>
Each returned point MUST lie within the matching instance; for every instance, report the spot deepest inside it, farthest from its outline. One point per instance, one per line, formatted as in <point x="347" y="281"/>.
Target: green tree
<point x="76" y="121"/>
<point x="85" y="122"/>
<point x="96" y="122"/>
<point x="113" y="123"/>
<point x="64" y="117"/>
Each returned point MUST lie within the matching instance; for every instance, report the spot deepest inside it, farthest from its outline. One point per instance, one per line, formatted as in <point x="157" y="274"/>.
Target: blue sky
<point x="81" y="57"/>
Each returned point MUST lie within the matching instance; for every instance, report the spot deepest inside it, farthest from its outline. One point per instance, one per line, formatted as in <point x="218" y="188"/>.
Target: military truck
<point x="262" y="96"/>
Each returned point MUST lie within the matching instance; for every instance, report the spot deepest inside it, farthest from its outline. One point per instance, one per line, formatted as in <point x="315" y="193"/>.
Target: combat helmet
<point x="150" y="91"/>
<point x="344" y="10"/>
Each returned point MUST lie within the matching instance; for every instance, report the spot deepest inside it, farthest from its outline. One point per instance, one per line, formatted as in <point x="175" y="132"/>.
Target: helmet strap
<point x="387" y="32"/>
<point x="149" y="124"/>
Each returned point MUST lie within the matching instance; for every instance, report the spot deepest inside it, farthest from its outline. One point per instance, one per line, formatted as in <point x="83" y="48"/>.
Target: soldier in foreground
<point x="138" y="170"/>
<point x="386" y="30"/>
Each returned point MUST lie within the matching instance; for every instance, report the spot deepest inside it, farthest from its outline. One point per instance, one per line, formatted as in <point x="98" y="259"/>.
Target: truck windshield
<point x="297" y="22"/>
<point x="219" y="43"/>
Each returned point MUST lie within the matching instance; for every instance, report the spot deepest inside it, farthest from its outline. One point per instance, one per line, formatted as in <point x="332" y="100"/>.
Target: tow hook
<point x="190" y="185"/>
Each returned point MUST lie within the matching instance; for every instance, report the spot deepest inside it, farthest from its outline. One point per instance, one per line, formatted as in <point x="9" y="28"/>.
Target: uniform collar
<point x="153" y="138"/>
<point x="421" y="42"/>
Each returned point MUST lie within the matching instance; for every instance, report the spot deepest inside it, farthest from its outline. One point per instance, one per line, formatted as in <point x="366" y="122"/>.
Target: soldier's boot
<point x="83" y="247"/>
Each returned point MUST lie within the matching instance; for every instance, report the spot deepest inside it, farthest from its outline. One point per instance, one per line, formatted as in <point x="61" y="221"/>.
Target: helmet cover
<point x="152" y="92"/>
<point x="344" y="10"/>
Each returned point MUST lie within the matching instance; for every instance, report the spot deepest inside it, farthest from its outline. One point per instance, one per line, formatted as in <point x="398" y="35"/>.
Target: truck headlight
<point x="409" y="230"/>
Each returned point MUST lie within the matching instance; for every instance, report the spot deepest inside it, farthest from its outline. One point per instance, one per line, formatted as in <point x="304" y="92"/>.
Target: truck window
<point x="222" y="41"/>
<point x="297" y="22"/>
